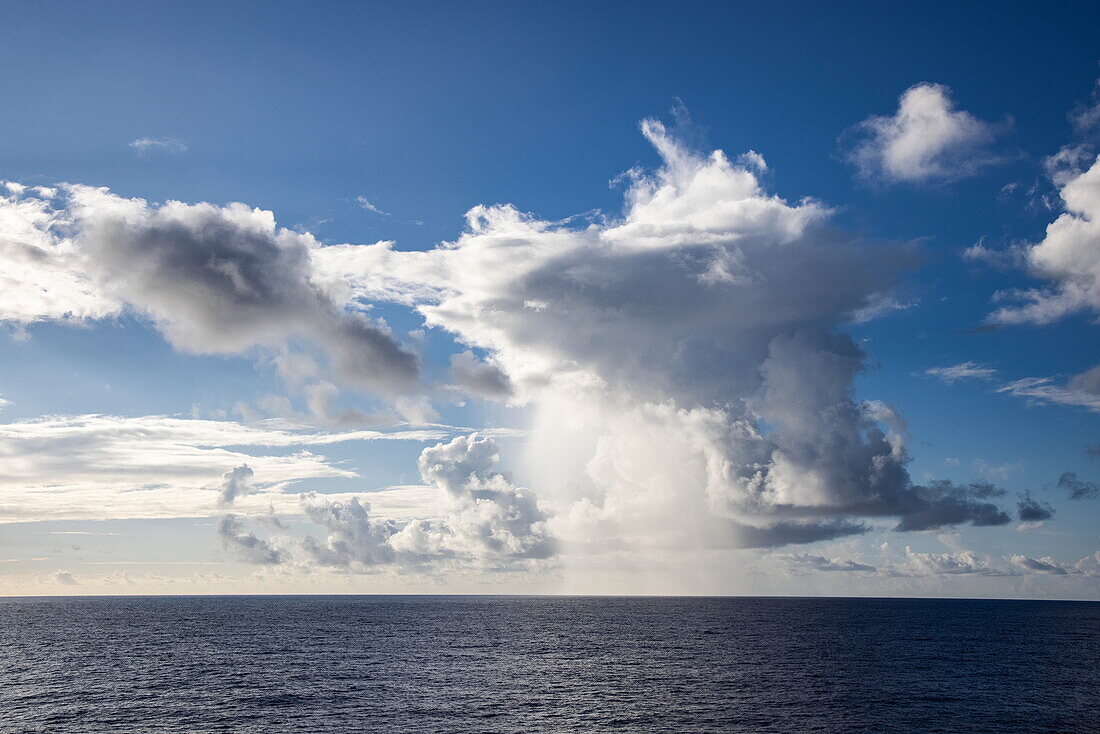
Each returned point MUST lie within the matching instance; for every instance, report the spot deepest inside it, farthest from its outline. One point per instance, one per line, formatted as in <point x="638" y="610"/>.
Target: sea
<point x="269" y="664"/>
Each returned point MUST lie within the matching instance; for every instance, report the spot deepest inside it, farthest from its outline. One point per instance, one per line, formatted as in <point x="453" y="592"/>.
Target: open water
<point x="547" y="664"/>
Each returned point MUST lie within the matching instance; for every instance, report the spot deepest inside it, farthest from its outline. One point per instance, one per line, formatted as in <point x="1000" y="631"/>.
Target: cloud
<point x="41" y="274"/>
<point x="881" y="306"/>
<point x="487" y="515"/>
<point x="225" y="279"/>
<point x="321" y="397"/>
<point x="1081" y="391"/>
<point x="1044" y="390"/>
<point x="942" y="504"/>
<point x="98" y="467"/>
<point x="1086" y="117"/>
<point x="236" y="482"/>
<point x="777" y="534"/>
<point x="1087" y="382"/>
<point x="1089" y="566"/>
<point x="364" y="203"/>
<point x="952" y="564"/>
<point x="165" y="145"/>
<point x="484" y="517"/>
<point x="1046" y="564"/>
<point x="1033" y="510"/>
<point x="480" y="378"/>
<point x="927" y="140"/>
<point x="681" y="361"/>
<point x="1013" y="255"/>
<point x="962" y="371"/>
<point x="352" y="536"/>
<point x="245" y="545"/>
<point x="214" y="280"/>
<point x="1001" y="472"/>
<point x="63" y="577"/>
<point x="1067" y="257"/>
<point x="822" y="563"/>
<point x="1075" y="488"/>
<point x="683" y="364"/>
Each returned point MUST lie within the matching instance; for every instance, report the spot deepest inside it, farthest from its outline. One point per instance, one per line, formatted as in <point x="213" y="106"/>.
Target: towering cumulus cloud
<point x="683" y="363"/>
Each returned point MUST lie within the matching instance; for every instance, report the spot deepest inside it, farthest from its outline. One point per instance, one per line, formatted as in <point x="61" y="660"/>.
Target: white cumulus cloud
<point x="927" y="140"/>
<point x="1068" y="257"/>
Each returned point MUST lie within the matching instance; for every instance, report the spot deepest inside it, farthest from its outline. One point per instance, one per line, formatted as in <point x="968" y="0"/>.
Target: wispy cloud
<point x="1080" y="392"/>
<point x="366" y="204"/>
<point x="880" y="305"/>
<point x="102" y="467"/>
<point x="166" y="145"/>
<point x="1001" y="472"/>
<point x="963" y="371"/>
<point x="1044" y="390"/>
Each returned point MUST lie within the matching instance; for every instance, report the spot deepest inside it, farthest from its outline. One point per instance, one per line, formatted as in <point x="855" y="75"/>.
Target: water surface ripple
<point x="547" y="664"/>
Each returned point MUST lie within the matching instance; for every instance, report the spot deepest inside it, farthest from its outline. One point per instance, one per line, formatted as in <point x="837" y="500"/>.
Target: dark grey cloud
<point x="479" y="378"/>
<point x="225" y="279"/>
<point x="1033" y="510"/>
<point x="366" y="353"/>
<point x="821" y="430"/>
<point x="245" y="545"/>
<point x="236" y="482"/>
<point x="943" y="503"/>
<point x="795" y="533"/>
<point x="1075" y="488"/>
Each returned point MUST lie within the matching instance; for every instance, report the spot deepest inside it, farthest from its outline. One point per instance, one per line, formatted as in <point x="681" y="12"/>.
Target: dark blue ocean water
<point x="546" y="664"/>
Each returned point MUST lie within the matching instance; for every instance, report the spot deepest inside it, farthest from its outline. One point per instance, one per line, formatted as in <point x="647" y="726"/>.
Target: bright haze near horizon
<point x="783" y="298"/>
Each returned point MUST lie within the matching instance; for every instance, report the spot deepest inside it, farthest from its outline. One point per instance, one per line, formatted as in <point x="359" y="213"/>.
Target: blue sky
<point x="359" y="123"/>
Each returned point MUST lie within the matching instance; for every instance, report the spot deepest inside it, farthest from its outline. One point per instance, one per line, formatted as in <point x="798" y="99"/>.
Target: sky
<point x="638" y="298"/>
